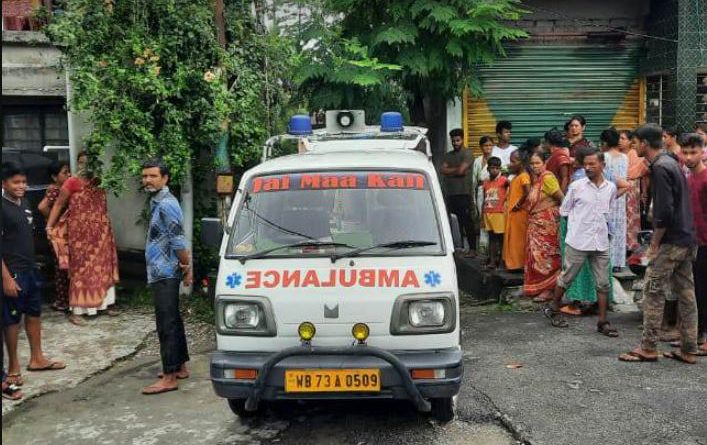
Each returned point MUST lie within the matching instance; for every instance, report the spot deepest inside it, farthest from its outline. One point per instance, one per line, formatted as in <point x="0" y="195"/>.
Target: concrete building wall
<point x="31" y="65"/>
<point x="549" y="19"/>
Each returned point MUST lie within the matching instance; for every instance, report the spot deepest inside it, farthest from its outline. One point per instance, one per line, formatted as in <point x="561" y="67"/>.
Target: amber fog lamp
<point x="306" y="331"/>
<point x="360" y="332"/>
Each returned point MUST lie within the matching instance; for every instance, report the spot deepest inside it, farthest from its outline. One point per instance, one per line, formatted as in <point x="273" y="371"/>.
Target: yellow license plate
<point x="332" y="380"/>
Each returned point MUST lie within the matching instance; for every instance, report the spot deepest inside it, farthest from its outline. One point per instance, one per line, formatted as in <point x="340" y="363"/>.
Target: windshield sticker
<point x="234" y="280"/>
<point x="329" y="181"/>
<point x="433" y="279"/>
<point x="300" y="278"/>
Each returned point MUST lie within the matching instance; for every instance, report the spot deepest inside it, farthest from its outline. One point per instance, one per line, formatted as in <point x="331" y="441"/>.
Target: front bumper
<point x="396" y="382"/>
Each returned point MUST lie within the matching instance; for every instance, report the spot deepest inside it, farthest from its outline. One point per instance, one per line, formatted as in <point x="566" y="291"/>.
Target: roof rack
<point x="345" y="130"/>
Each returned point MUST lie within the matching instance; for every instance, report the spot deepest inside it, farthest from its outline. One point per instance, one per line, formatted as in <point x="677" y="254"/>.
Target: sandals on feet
<point x="112" y="312"/>
<point x="605" y="328"/>
<point x="154" y="390"/>
<point x="571" y="310"/>
<point x="12" y="392"/>
<point x="637" y="356"/>
<point x="77" y="320"/>
<point x="556" y="318"/>
<point x="681" y="357"/>
<point x="59" y="308"/>
<point x="15" y="379"/>
<point x="51" y="366"/>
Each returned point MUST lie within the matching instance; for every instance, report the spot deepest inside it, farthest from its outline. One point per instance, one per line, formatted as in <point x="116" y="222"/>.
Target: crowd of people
<point x="86" y="264"/>
<point x="567" y="214"/>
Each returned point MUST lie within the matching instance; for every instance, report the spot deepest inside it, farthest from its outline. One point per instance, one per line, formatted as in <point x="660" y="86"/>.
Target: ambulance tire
<point x="238" y="408"/>
<point x="443" y="409"/>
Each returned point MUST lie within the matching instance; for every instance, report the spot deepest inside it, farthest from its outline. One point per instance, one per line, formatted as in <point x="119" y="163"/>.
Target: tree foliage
<point x="423" y="48"/>
<point x="154" y="81"/>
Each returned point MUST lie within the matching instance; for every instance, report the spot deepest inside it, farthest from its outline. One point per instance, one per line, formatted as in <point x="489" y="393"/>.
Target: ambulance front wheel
<point x="238" y="408"/>
<point x="443" y="408"/>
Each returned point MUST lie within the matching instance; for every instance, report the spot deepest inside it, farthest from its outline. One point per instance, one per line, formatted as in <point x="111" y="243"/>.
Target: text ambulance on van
<point x="337" y="274"/>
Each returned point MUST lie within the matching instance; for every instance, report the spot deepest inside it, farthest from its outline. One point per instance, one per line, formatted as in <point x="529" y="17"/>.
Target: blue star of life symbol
<point x="234" y="280"/>
<point x="433" y="278"/>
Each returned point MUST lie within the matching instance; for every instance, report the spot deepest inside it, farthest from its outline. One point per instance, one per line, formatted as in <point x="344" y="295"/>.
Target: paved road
<point x="570" y="390"/>
<point x="108" y="410"/>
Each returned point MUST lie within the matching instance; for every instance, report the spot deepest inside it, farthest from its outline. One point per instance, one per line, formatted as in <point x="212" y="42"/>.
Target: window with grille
<point x="31" y="127"/>
<point x="660" y="100"/>
<point x="701" y="107"/>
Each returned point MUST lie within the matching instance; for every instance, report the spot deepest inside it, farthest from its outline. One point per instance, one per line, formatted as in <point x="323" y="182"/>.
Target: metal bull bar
<point x="421" y="404"/>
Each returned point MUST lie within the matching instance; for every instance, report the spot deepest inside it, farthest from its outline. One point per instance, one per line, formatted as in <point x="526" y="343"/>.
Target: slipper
<point x="570" y="310"/>
<point x="12" y="392"/>
<point x="634" y="356"/>
<point x="77" y="320"/>
<point x="605" y="328"/>
<point x="556" y="318"/>
<point x="679" y="357"/>
<point x="677" y="344"/>
<point x="15" y="379"/>
<point x="158" y="390"/>
<point x="541" y="299"/>
<point x="59" y="308"/>
<point x="52" y="366"/>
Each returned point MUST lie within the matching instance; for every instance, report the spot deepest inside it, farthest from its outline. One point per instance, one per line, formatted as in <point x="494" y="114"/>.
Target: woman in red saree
<point x="543" y="261"/>
<point x="637" y="171"/>
<point x="559" y="163"/>
<point x="59" y="172"/>
<point x="83" y="239"/>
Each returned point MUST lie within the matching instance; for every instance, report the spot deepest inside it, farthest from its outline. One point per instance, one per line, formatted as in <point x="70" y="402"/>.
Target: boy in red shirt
<point x="692" y="150"/>
<point x="494" y="210"/>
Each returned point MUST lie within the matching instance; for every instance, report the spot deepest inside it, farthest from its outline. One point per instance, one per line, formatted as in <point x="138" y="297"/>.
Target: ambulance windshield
<point x="322" y="213"/>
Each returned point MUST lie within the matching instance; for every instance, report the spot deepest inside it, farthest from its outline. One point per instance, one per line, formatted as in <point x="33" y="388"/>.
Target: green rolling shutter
<point x="537" y="87"/>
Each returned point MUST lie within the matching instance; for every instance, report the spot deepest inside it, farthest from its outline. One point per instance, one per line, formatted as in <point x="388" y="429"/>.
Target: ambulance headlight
<point x="244" y="316"/>
<point x="429" y="313"/>
<point x="241" y="315"/>
<point x="426" y="313"/>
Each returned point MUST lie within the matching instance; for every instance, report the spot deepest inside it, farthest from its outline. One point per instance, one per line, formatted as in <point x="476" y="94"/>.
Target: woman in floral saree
<point x="543" y="247"/>
<point x="83" y="241"/>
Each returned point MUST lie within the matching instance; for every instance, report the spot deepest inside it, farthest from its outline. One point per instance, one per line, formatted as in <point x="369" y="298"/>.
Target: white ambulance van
<point x="337" y="276"/>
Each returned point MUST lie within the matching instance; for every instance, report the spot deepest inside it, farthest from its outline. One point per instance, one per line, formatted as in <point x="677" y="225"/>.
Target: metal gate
<point x="538" y="87"/>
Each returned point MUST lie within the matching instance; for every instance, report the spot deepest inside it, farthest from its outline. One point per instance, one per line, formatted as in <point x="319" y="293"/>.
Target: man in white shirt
<point x="503" y="147"/>
<point x="587" y="207"/>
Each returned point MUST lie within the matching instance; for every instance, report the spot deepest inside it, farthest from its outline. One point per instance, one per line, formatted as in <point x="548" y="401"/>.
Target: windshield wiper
<point x="313" y="243"/>
<point x="402" y="244"/>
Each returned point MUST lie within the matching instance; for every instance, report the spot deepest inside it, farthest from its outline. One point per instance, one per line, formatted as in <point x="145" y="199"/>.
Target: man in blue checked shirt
<point x="167" y="260"/>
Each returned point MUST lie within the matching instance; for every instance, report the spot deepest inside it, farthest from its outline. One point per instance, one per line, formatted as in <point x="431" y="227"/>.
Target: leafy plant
<point x="422" y="52"/>
<point x="146" y="73"/>
<point x="153" y="80"/>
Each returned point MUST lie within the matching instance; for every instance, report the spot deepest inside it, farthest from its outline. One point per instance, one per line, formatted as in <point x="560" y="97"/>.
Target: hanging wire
<point x="596" y="25"/>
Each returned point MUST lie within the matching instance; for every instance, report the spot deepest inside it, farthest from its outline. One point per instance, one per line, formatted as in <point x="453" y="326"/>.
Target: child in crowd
<point x="59" y="172"/>
<point x="494" y="211"/>
<point x="22" y="294"/>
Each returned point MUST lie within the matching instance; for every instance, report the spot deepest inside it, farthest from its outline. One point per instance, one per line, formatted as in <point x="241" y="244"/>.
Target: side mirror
<point x="456" y="231"/>
<point x="211" y="232"/>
